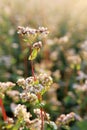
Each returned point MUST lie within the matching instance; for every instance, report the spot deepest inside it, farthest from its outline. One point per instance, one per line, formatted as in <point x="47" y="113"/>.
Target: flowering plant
<point x="31" y="91"/>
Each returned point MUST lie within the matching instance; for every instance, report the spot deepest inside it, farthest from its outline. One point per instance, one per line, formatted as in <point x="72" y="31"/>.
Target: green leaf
<point x="33" y="54"/>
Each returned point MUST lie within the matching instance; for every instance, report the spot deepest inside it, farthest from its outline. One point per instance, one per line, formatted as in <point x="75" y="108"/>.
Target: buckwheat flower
<point x="4" y="86"/>
<point x="21" y="82"/>
<point x="29" y="97"/>
<point x="24" y="96"/>
<point x="43" y="30"/>
<point x="14" y="94"/>
<point x="34" y="98"/>
<point x="21" y="113"/>
<point x="45" y="80"/>
<point x="29" y="31"/>
<point x="29" y="81"/>
<point x="36" y="88"/>
<point x="26" y="31"/>
<point x="35" y="124"/>
<point x="20" y="30"/>
<point x="65" y="119"/>
<point x="37" y="45"/>
<point x="10" y="120"/>
<point x="33" y="86"/>
<point x="39" y="89"/>
<point x="10" y="84"/>
<point x="69" y="117"/>
<point x="38" y="113"/>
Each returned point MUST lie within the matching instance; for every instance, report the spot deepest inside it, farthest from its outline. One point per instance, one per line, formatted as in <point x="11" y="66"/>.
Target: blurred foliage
<point x="64" y="55"/>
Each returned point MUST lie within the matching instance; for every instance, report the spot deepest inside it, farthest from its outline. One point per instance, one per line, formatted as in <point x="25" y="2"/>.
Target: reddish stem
<point x="32" y="68"/>
<point x="39" y="97"/>
<point x="3" y="110"/>
<point x="41" y="111"/>
<point x="42" y="119"/>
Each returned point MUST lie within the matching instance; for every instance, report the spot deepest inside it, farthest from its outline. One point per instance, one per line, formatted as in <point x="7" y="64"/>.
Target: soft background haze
<point x="64" y="55"/>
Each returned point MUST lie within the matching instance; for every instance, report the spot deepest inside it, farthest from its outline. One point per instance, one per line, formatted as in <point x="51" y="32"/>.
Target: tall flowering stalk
<point x="34" y="86"/>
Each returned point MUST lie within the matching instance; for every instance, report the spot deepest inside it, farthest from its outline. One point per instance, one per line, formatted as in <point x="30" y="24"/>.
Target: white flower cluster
<point x="4" y="87"/>
<point x="27" y="96"/>
<point x="42" y="30"/>
<point x="34" y="86"/>
<point x="44" y="114"/>
<point x="30" y="31"/>
<point x="37" y="45"/>
<point x="21" y="113"/>
<point x="65" y="119"/>
<point x="27" y="30"/>
<point x="14" y="94"/>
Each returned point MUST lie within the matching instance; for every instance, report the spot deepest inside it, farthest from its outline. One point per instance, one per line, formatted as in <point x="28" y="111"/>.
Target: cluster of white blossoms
<point x="14" y="94"/>
<point x="44" y="114"/>
<point x="37" y="45"/>
<point x="27" y="96"/>
<point x="65" y="119"/>
<point x="32" y="86"/>
<point x="21" y="113"/>
<point x="31" y="36"/>
<point x="30" y="31"/>
<point x="4" y="87"/>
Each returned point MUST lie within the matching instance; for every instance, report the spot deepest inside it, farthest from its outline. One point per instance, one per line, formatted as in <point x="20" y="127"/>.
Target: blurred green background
<point x="64" y="55"/>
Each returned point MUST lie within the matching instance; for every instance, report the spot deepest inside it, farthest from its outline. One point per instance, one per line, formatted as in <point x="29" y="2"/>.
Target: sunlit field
<point x="43" y="65"/>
